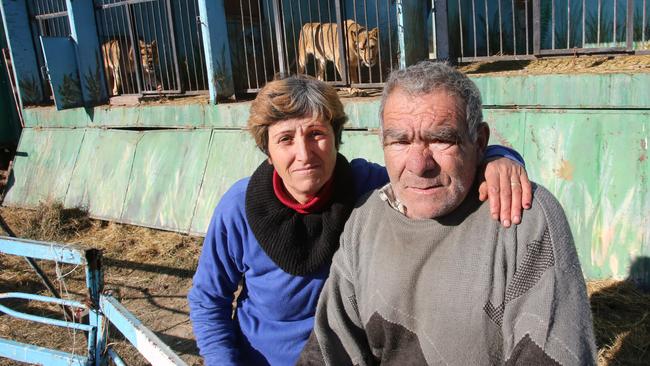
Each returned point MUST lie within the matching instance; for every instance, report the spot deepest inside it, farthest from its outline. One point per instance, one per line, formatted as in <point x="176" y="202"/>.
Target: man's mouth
<point x="424" y="189"/>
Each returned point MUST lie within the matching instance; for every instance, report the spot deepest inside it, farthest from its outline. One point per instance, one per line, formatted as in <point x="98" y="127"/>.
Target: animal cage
<point x="151" y="47"/>
<point x="523" y="29"/>
<point x="345" y="43"/>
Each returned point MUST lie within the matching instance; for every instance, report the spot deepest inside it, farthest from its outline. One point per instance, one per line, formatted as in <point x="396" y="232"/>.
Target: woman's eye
<point x="284" y="139"/>
<point x="317" y="133"/>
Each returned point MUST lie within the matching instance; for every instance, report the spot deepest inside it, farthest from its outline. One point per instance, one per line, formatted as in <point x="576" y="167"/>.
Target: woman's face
<point x="303" y="152"/>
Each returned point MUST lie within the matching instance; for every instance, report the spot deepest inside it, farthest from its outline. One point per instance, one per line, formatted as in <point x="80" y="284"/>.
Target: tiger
<point x="118" y="64"/>
<point x="321" y="40"/>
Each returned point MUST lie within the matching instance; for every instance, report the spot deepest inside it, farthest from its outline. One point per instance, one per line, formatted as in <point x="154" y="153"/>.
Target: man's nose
<point x="420" y="159"/>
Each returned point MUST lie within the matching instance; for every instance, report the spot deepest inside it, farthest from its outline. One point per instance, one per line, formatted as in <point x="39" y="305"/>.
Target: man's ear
<point x="482" y="138"/>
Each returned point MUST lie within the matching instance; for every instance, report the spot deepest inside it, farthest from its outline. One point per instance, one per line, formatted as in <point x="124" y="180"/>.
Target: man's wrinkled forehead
<point x="420" y="108"/>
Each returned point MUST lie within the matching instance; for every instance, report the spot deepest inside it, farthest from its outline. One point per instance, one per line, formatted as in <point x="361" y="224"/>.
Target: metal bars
<point x="257" y="54"/>
<point x="522" y="29"/>
<point x="152" y="47"/>
<point x="342" y="43"/>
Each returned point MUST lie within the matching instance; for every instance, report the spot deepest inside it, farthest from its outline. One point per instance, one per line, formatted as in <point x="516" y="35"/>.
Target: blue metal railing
<point x="102" y="309"/>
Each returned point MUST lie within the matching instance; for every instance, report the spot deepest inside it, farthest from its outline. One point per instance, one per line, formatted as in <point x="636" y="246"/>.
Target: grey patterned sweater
<point x="458" y="290"/>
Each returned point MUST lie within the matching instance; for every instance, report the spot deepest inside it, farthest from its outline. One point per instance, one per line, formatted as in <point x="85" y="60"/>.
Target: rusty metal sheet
<point x="166" y="178"/>
<point x="43" y="166"/>
<point x="101" y="176"/>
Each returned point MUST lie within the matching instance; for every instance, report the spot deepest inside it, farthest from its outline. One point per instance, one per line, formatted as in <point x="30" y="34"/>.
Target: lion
<point x="322" y="41"/>
<point x="115" y="60"/>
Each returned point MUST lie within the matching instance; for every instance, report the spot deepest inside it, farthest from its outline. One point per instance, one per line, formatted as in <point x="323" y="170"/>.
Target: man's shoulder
<point x="545" y="207"/>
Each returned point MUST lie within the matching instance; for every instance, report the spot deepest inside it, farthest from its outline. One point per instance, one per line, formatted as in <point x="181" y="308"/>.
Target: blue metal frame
<point x="103" y="309"/>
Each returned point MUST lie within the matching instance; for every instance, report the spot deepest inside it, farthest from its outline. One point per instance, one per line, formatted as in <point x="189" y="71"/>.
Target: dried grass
<point x="562" y="65"/>
<point x="621" y="316"/>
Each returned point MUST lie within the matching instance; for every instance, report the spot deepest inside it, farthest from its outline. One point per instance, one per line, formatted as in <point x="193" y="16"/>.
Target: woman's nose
<point x="302" y="148"/>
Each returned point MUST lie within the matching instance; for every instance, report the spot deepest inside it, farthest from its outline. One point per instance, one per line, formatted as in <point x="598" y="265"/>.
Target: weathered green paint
<point x="232" y="156"/>
<point x="596" y="164"/>
<point x="99" y="183"/>
<point x="166" y="177"/>
<point x="619" y="91"/>
<point x="594" y="160"/>
<point x="43" y="166"/>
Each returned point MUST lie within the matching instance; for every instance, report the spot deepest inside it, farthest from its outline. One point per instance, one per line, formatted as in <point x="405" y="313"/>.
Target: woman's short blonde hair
<point x="296" y="96"/>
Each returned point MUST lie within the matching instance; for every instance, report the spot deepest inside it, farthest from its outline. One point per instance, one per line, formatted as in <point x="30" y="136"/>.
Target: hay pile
<point x="562" y="65"/>
<point x="621" y="322"/>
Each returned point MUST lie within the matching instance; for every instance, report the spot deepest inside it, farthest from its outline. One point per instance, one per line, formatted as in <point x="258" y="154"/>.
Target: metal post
<point x="279" y="35"/>
<point x="629" y="26"/>
<point x="537" y="28"/>
<point x="443" y="52"/>
<point x="342" y="49"/>
<point x="217" y="48"/>
<point x="95" y="282"/>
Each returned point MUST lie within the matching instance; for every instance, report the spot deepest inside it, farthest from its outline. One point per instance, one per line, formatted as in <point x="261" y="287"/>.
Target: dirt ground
<point x="150" y="271"/>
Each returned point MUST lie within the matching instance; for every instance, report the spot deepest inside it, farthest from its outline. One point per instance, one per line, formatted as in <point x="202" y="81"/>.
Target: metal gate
<point x="49" y="18"/>
<point x="103" y="312"/>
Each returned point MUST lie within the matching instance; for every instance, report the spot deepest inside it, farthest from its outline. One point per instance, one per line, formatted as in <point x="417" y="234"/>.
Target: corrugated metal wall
<point x="585" y="137"/>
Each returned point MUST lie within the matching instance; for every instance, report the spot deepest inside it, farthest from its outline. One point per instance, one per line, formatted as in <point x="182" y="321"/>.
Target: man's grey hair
<point x="426" y="77"/>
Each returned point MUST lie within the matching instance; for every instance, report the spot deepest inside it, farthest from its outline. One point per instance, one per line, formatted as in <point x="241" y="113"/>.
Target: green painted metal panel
<point x="618" y="91"/>
<point x="43" y="166"/>
<point x="166" y="178"/>
<point x="100" y="178"/>
<point x="233" y="155"/>
<point x="596" y="164"/>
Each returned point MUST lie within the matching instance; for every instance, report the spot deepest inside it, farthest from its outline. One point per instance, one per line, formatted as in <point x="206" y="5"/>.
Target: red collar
<point x="315" y="204"/>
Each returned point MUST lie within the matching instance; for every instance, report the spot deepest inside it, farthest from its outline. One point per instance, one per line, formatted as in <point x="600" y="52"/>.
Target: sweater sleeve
<point x="497" y="151"/>
<point x="338" y="337"/>
<point x="545" y="314"/>
<point x="214" y="284"/>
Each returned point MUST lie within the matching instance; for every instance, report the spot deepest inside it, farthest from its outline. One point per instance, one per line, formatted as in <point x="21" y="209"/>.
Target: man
<point x="422" y="277"/>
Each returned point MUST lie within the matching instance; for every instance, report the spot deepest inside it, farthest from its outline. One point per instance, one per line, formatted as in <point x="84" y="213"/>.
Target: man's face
<point x="430" y="158"/>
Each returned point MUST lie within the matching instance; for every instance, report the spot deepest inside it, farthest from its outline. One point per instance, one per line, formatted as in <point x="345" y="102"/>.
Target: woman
<point x="276" y="231"/>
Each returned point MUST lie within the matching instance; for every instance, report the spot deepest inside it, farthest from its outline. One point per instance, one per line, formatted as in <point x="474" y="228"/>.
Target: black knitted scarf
<point x="300" y="244"/>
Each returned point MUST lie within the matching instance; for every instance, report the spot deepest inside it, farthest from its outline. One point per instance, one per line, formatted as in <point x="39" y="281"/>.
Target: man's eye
<point x="441" y="145"/>
<point x="284" y="139"/>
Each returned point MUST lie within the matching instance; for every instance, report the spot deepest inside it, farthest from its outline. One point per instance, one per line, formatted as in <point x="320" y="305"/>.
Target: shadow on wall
<point x="621" y="315"/>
